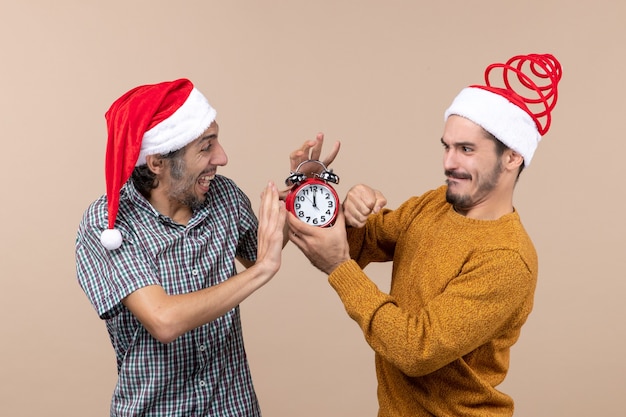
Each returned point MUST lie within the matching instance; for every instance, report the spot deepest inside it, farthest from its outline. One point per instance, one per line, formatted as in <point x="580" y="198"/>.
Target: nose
<point x="449" y="160"/>
<point x="219" y="156"/>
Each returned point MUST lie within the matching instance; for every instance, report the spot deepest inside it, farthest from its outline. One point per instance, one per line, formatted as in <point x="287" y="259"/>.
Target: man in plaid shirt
<point x="156" y="256"/>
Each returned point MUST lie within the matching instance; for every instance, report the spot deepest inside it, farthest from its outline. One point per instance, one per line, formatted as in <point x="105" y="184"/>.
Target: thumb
<point x="380" y="202"/>
<point x="340" y="220"/>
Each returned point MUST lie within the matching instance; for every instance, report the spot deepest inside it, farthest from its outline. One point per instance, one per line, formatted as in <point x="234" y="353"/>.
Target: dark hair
<point x="500" y="148"/>
<point x="145" y="180"/>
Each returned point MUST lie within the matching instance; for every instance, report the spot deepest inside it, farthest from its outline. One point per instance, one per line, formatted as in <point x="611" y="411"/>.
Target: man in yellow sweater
<point x="464" y="268"/>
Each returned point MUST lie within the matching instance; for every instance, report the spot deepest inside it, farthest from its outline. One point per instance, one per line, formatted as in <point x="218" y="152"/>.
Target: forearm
<point x="390" y="331"/>
<point x="421" y="339"/>
<point x="167" y="317"/>
<point x="374" y="242"/>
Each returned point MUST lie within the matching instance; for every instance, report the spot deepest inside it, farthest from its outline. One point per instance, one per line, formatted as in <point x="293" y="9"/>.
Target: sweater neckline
<point x="457" y="217"/>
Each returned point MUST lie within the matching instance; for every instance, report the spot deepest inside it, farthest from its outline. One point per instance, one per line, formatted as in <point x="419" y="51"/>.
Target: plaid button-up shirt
<point x="205" y="371"/>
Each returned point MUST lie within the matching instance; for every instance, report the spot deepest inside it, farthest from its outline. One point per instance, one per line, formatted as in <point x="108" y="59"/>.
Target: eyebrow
<point x="457" y="144"/>
<point x="207" y="138"/>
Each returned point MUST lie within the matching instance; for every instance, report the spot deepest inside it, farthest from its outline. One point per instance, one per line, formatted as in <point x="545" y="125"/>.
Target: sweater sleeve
<point x="376" y="241"/>
<point x="491" y="297"/>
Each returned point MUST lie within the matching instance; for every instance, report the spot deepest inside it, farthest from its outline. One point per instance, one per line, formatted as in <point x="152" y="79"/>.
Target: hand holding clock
<point x="326" y="248"/>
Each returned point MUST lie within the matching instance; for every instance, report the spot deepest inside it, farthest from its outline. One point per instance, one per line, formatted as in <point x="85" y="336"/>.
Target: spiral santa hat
<point x="518" y="113"/>
<point x="148" y="120"/>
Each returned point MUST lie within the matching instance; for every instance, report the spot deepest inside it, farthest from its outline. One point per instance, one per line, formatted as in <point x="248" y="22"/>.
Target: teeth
<point x="205" y="180"/>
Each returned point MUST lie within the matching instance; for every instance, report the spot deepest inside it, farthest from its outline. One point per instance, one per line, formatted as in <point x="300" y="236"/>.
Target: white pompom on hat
<point x="504" y="111"/>
<point x="148" y="120"/>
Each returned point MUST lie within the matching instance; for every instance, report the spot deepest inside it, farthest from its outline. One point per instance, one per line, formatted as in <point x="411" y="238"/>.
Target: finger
<point x="331" y="157"/>
<point x="301" y="233"/>
<point x="357" y="207"/>
<point x="295" y="239"/>
<point x="272" y="205"/>
<point x="266" y="203"/>
<point x="282" y="194"/>
<point x="361" y="204"/>
<point x="280" y="218"/>
<point x="300" y="155"/>
<point x="294" y="224"/>
<point x="340" y="220"/>
<point x="294" y="160"/>
<point x="300" y="228"/>
<point x="381" y="202"/>
<point x="279" y="211"/>
<point x="316" y="150"/>
<point x="353" y="217"/>
<point x="293" y="234"/>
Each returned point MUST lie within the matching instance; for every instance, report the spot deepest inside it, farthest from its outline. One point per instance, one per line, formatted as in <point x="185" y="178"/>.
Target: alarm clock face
<point x="315" y="203"/>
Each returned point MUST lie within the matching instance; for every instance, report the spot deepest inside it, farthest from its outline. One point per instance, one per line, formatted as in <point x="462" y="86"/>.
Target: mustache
<point x="457" y="175"/>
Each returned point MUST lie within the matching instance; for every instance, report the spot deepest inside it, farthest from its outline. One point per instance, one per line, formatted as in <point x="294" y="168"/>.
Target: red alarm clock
<point x="312" y="199"/>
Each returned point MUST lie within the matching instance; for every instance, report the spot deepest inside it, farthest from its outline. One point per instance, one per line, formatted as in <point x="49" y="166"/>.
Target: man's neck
<point x="175" y="210"/>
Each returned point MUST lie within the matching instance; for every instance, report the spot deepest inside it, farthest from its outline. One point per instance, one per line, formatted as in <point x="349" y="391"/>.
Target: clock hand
<point x="314" y="201"/>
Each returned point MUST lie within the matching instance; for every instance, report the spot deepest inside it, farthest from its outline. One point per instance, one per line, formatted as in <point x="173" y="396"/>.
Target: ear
<point x="513" y="160"/>
<point x="155" y="163"/>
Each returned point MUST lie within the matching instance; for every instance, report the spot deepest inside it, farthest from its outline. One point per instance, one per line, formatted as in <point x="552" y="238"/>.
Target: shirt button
<point x="194" y="272"/>
<point x="202" y="348"/>
<point x="202" y="383"/>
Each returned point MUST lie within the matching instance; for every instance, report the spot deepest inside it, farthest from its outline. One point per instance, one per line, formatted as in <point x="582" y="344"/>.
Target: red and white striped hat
<point x="507" y="112"/>
<point x="148" y="120"/>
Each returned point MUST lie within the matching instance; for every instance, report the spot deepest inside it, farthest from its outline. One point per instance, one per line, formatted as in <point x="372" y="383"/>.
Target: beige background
<point x="375" y="75"/>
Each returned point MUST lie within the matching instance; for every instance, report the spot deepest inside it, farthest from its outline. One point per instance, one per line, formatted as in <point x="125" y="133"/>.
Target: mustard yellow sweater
<point x="460" y="291"/>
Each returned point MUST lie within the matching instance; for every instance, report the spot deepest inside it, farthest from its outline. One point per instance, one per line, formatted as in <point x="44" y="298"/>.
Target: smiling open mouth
<point x="205" y="180"/>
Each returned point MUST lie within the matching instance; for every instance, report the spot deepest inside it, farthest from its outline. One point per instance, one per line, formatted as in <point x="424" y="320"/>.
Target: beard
<point x="484" y="186"/>
<point x="191" y="200"/>
<point x="182" y="186"/>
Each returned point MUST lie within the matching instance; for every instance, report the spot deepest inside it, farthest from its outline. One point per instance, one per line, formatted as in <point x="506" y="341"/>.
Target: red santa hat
<point x="515" y="119"/>
<point x="148" y="120"/>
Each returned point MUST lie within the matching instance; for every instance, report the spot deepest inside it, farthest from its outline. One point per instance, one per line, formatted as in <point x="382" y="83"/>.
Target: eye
<point x="467" y="149"/>
<point x="207" y="147"/>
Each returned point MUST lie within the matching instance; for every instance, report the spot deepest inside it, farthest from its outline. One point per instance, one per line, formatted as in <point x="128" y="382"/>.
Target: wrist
<point x="332" y="267"/>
